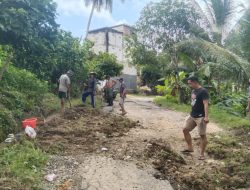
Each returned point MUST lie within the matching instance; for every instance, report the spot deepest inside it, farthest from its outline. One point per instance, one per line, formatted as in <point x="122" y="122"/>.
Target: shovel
<point x="69" y="100"/>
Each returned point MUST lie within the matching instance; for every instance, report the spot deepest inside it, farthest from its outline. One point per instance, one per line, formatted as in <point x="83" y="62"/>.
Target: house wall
<point x="116" y="47"/>
<point x="99" y="41"/>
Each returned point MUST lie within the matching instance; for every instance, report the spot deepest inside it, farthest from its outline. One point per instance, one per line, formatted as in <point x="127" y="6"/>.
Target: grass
<point x="217" y="115"/>
<point x="21" y="166"/>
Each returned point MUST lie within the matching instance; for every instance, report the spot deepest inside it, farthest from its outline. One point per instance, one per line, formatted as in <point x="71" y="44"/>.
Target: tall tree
<point x="164" y="23"/>
<point x="29" y="26"/>
<point x="97" y="5"/>
<point x="25" y="21"/>
<point x="221" y="16"/>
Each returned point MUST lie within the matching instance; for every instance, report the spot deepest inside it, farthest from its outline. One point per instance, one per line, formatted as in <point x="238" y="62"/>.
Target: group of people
<point x="199" y="102"/>
<point x="90" y="89"/>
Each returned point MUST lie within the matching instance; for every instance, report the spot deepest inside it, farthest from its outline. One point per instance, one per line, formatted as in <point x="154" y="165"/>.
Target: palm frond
<point x="235" y="10"/>
<point x="222" y="15"/>
<point x="224" y="63"/>
<point x="100" y="4"/>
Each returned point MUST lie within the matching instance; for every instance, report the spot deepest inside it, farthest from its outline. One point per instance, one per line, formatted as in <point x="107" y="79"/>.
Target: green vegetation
<point x="34" y="52"/>
<point x="178" y="39"/>
<point x="98" y="5"/>
<point x="175" y="39"/>
<point x="216" y="114"/>
<point x="21" y="93"/>
<point x="104" y="64"/>
<point x="21" y="166"/>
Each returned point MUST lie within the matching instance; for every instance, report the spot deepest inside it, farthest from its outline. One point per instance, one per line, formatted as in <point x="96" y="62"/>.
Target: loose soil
<point x="99" y="150"/>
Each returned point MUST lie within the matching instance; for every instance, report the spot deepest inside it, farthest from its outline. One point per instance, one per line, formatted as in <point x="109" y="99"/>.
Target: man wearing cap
<point x="64" y="88"/>
<point x="91" y="89"/>
<point x="122" y="95"/>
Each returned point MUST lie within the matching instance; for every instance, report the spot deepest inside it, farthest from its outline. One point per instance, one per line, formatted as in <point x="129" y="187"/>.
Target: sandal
<point x="187" y="151"/>
<point x="124" y="113"/>
<point x="201" y="158"/>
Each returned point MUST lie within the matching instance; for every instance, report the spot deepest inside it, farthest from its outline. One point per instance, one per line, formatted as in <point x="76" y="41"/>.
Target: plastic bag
<point x="50" y="177"/>
<point x="30" y="132"/>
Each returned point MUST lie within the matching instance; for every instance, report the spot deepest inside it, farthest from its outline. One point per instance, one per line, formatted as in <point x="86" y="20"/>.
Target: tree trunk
<point x="90" y="18"/>
<point x="5" y="65"/>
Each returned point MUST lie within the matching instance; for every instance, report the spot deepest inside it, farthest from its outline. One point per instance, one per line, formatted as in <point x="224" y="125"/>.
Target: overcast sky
<point x="73" y="15"/>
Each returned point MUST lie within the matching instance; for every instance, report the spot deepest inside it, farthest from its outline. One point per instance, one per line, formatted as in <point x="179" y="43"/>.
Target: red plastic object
<point x="30" y="122"/>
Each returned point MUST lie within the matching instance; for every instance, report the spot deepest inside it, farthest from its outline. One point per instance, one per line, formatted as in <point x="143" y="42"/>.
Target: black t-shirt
<point x="197" y="98"/>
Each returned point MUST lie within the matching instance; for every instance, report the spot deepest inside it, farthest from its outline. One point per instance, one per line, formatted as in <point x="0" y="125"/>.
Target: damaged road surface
<point x="94" y="150"/>
<point x="106" y="174"/>
<point x="90" y="153"/>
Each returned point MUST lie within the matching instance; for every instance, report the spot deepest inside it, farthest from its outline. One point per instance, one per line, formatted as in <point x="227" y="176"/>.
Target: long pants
<point x="85" y="95"/>
<point x="109" y="96"/>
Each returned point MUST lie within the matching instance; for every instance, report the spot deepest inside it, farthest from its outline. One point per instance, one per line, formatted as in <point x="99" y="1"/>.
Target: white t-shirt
<point x="64" y="81"/>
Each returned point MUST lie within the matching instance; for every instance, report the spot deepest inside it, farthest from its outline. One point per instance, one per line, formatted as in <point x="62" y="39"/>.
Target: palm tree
<point x="221" y="16"/>
<point x="213" y="61"/>
<point x="98" y="5"/>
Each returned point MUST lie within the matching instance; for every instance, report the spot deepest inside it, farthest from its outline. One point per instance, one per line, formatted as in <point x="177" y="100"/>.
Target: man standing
<point x="64" y="88"/>
<point x="90" y="90"/>
<point x="122" y="95"/>
<point x="198" y="116"/>
<point x="109" y="90"/>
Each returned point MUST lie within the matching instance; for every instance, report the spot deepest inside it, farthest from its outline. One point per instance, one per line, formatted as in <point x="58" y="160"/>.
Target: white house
<point x="111" y="40"/>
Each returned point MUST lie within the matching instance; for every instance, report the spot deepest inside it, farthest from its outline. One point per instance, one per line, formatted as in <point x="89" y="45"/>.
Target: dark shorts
<point x="62" y="95"/>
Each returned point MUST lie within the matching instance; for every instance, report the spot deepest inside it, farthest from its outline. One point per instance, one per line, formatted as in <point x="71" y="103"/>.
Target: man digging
<point x="122" y="95"/>
<point x="198" y="116"/>
<point x="64" y="88"/>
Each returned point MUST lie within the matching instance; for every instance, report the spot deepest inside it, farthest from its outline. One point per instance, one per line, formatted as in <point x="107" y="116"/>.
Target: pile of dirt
<point x="227" y="168"/>
<point x="232" y="149"/>
<point x="166" y="160"/>
<point x="82" y="128"/>
<point x="163" y="154"/>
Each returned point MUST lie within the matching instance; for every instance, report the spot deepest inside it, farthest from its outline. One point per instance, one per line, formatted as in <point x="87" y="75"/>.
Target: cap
<point x="92" y="73"/>
<point x="70" y="73"/>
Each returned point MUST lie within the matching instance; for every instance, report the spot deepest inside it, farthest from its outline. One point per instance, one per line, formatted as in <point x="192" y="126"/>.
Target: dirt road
<point x="102" y="151"/>
<point x="159" y="122"/>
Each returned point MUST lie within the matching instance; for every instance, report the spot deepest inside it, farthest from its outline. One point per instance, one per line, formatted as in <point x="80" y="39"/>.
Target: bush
<point x="24" y="82"/>
<point x="20" y="92"/>
<point x="172" y="99"/>
<point x="7" y="122"/>
<point x="234" y="104"/>
<point x="105" y="64"/>
<point x="150" y="75"/>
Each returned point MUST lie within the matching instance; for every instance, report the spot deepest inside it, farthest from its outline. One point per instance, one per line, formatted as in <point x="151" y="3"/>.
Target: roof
<point x="104" y="29"/>
<point x="122" y="25"/>
<point x="111" y="29"/>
